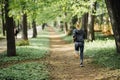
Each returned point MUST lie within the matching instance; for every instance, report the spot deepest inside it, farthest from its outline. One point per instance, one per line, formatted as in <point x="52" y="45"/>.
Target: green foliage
<point x="25" y="71"/>
<point x="22" y="43"/>
<point x="47" y="10"/>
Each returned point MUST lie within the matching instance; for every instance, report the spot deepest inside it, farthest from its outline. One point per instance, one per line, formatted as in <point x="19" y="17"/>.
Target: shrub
<point x="22" y="43"/>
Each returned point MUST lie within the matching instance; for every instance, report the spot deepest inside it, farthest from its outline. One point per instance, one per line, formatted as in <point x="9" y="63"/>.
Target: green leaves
<point x="47" y="10"/>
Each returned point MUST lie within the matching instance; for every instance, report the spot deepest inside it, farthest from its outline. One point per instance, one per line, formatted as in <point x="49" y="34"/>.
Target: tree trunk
<point x="66" y="27"/>
<point x="11" y="48"/>
<point x="65" y="24"/>
<point x="61" y="25"/>
<point x="90" y="28"/>
<point x="113" y="7"/>
<point x="34" y="29"/>
<point x="55" y="23"/>
<point x="24" y="25"/>
<point x="84" y="23"/>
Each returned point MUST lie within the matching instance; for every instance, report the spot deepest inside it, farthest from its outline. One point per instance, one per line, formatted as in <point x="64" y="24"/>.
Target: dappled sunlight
<point x="3" y="46"/>
<point x="37" y="47"/>
<point x="99" y="44"/>
<point x="45" y="36"/>
<point x="57" y="44"/>
<point x="62" y="48"/>
<point x="56" y="40"/>
<point x="2" y="50"/>
<point x="103" y="53"/>
<point x="56" y="36"/>
<point x="37" y="42"/>
<point x="24" y="71"/>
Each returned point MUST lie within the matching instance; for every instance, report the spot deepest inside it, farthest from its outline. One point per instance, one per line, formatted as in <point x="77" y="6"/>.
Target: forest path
<point x="64" y="66"/>
<point x="2" y="45"/>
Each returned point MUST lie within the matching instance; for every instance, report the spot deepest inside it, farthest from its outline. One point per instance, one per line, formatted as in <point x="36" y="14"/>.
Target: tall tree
<point x="11" y="48"/>
<point x="90" y="26"/>
<point x="34" y="14"/>
<point x="34" y="29"/>
<point x="84" y="23"/>
<point x="113" y="7"/>
<point x="65" y="23"/>
<point x="24" y="20"/>
<point x="24" y="25"/>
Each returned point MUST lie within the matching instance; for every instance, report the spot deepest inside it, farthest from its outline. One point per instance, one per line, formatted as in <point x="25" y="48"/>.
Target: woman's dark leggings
<point x="79" y="46"/>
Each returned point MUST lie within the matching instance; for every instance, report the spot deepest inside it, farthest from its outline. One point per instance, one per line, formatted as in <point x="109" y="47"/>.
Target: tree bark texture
<point x="34" y="29"/>
<point x="84" y="23"/>
<point x="66" y="27"/>
<point x="113" y="7"/>
<point x="11" y="48"/>
<point x="24" y="25"/>
<point x="90" y="26"/>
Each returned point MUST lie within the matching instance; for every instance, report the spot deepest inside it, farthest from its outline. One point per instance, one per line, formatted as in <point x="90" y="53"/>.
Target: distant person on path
<point x="16" y="31"/>
<point x="78" y="37"/>
<point x="44" y="25"/>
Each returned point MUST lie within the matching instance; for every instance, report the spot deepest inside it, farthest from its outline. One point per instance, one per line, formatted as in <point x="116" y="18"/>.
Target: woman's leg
<point x="76" y="50"/>
<point x="81" y="54"/>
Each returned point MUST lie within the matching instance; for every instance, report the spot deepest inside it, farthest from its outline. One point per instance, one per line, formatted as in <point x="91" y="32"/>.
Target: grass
<point x="30" y="70"/>
<point x="102" y="50"/>
<point x="25" y="71"/>
<point x="103" y="53"/>
<point x="38" y="48"/>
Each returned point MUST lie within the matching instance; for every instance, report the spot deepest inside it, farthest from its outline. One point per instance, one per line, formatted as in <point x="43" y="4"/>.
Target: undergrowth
<point x="38" y="48"/>
<point x="26" y="71"/>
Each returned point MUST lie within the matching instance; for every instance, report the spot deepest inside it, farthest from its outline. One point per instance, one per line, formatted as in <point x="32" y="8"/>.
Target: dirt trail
<point x="2" y="45"/>
<point x="64" y="66"/>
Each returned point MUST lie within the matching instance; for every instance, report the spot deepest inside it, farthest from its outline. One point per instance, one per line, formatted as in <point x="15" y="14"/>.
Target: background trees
<point x="91" y="13"/>
<point x="114" y="12"/>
